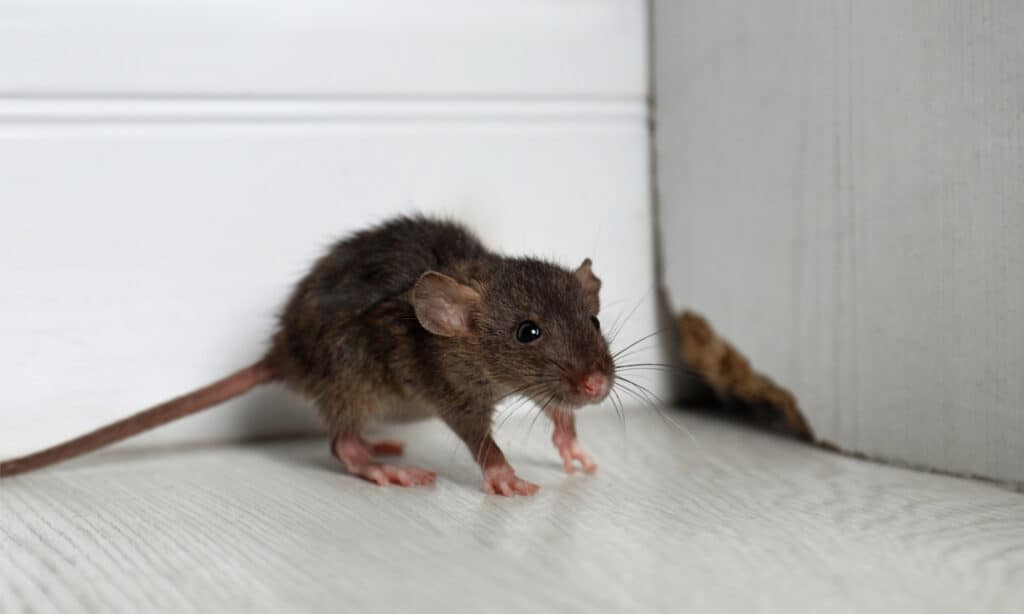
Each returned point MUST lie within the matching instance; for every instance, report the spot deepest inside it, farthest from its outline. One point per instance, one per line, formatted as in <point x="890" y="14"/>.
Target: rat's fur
<point x="350" y="340"/>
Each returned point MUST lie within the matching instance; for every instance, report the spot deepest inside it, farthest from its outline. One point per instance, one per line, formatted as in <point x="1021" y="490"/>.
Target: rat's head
<point x="534" y="325"/>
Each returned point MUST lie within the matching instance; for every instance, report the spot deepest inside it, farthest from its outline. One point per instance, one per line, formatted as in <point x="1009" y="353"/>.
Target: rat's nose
<point x="594" y="384"/>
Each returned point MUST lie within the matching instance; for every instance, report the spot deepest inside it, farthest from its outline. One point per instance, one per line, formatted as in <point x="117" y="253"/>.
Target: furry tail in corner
<point x="217" y="392"/>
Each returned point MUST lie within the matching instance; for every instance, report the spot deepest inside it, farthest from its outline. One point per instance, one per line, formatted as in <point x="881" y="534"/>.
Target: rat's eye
<point x="595" y="322"/>
<point x="528" y="331"/>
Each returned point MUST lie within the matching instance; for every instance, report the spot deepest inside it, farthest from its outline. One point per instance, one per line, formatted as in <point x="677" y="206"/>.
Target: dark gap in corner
<point x="714" y="378"/>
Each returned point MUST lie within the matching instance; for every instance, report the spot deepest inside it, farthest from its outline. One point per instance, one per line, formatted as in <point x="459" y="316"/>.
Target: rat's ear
<point x="444" y="306"/>
<point x="591" y="286"/>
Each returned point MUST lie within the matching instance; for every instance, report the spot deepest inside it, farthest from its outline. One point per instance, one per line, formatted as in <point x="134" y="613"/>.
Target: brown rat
<point x="417" y="312"/>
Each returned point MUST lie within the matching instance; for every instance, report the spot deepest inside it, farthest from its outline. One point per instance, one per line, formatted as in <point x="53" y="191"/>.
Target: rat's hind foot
<point x="382" y="474"/>
<point x="357" y="456"/>
<point x="502" y="480"/>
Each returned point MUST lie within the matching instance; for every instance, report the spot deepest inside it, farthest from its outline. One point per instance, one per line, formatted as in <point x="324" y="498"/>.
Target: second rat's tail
<point x="217" y="392"/>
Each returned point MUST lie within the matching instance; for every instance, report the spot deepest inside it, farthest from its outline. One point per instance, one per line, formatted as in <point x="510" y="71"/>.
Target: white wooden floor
<point x="722" y="519"/>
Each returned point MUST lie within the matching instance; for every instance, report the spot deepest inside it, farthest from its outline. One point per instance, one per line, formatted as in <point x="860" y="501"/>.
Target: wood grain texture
<point x="704" y="517"/>
<point x="842" y="195"/>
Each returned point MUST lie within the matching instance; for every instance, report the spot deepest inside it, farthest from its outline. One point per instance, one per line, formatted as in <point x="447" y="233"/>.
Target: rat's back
<point x="381" y="262"/>
<point x="354" y="293"/>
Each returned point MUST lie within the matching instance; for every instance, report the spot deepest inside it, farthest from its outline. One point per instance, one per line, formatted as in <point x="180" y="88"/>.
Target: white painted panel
<point x="142" y="259"/>
<point x="404" y="48"/>
<point x="842" y="194"/>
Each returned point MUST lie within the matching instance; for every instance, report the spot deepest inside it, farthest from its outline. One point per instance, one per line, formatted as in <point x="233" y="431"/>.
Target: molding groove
<point x="259" y="109"/>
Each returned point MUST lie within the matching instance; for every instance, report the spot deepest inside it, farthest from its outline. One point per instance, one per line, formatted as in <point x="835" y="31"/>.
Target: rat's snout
<point x="594" y="385"/>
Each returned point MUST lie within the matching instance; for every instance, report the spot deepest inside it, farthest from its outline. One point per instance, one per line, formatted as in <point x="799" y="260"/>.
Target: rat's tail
<point x="217" y="392"/>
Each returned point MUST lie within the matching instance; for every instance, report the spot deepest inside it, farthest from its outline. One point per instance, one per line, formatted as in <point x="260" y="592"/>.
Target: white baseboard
<point x="154" y="220"/>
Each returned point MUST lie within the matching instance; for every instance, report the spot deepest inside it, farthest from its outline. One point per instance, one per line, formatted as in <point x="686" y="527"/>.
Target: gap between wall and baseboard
<point x="306" y="109"/>
<point x="729" y="374"/>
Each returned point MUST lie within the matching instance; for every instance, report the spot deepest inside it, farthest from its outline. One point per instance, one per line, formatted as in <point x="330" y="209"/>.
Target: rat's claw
<point x="502" y="480"/>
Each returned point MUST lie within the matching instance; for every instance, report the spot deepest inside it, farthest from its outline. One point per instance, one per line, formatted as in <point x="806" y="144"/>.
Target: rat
<point x="416" y="313"/>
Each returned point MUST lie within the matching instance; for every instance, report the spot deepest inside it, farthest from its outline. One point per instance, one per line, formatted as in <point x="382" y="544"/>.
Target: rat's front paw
<point x="502" y="480"/>
<point x="570" y="450"/>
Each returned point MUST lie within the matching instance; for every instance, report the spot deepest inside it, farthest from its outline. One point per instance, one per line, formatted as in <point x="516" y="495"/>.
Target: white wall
<point x="842" y="194"/>
<point x="168" y="169"/>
